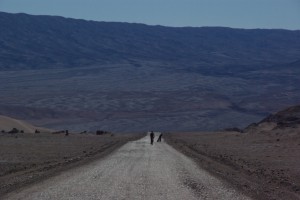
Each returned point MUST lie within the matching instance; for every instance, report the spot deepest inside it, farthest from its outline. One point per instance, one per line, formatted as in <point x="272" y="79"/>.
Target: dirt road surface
<point x="137" y="170"/>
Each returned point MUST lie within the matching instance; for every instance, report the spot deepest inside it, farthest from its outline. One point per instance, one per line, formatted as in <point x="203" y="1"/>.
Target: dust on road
<point x="137" y="170"/>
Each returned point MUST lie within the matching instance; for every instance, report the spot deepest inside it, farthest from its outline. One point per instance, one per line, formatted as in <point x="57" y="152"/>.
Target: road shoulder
<point x="65" y="155"/>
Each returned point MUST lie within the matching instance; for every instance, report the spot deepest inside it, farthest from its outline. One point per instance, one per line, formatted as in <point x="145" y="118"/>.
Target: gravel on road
<point x="138" y="170"/>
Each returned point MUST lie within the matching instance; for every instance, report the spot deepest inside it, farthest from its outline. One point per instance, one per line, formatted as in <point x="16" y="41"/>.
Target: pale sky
<point x="230" y="13"/>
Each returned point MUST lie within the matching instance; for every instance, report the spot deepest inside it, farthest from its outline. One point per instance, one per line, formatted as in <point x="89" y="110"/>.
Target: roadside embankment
<point x="27" y="158"/>
<point x="262" y="164"/>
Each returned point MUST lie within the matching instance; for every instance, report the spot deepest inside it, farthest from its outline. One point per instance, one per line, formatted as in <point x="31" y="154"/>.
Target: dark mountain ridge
<point x="28" y="41"/>
<point x="84" y="75"/>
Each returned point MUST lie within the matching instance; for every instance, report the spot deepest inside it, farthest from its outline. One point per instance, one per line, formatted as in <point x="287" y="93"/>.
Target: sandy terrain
<point x="7" y="124"/>
<point x="262" y="163"/>
<point x="26" y="158"/>
<point x="137" y="170"/>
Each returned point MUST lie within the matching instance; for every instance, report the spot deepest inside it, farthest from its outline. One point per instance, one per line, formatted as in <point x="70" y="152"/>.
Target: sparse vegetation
<point x="101" y="132"/>
<point x="14" y="130"/>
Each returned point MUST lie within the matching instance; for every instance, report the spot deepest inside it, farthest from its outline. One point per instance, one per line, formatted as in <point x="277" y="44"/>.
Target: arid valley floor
<point x="259" y="162"/>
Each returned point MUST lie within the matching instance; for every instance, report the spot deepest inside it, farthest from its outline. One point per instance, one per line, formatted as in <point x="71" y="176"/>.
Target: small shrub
<point x="14" y="130"/>
<point x="100" y="132"/>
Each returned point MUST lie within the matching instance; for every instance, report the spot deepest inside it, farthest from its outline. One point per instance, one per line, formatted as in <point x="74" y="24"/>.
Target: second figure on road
<point x="159" y="138"/>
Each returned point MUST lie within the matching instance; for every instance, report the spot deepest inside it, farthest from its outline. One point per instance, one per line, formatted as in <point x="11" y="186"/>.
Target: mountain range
<point x="69" y="73"/>
<point x="28" y="41"/>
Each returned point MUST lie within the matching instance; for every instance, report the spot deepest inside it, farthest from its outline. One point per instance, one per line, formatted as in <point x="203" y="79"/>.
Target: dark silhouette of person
<point x="159" y="137"/>
<point x="152" y="137"/>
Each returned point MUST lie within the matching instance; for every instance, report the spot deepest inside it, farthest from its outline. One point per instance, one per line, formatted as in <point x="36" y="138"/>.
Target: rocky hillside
<point x="31" y="42"/>
<point x="287" y="118"/>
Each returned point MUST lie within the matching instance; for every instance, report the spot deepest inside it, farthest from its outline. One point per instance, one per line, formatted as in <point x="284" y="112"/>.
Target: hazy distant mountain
<point x="76" y="74"/>
<point x="28" y="42"/>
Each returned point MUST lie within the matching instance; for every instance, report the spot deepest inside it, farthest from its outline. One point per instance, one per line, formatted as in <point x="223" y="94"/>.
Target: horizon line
<point x="140" y="23"/>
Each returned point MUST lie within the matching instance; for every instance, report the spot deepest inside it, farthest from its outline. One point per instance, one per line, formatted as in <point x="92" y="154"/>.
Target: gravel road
<point x="137" y="170"/>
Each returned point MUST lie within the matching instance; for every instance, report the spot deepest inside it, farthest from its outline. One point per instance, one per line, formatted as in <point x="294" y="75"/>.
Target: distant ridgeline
<point x="31" y="42"/>
<point x="125" y="77"/>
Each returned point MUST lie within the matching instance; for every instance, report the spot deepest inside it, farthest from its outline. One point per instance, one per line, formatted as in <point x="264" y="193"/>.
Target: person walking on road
<point x="152" y="137"/>
<point x="159" y="137"/>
